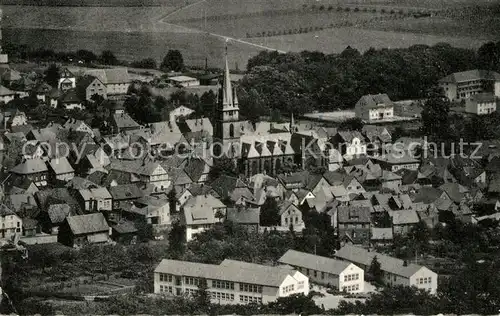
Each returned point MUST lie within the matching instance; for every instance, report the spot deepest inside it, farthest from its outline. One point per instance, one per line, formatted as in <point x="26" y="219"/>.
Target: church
<point x="254" y="151"/>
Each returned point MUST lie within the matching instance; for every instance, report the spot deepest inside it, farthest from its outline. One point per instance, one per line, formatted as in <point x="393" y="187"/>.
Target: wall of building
<point x="98" y="237"/>
<point x="352" y="279"/>
<point x="117" y="88"/>
<point x="421" y="276"/>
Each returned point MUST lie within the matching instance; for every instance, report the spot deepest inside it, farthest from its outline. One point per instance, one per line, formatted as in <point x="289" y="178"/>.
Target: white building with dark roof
<point x="116" y="80"/>
<point x="344" y="275"/>
<point x="395" y="271"/>
<point x="461" y="85"/>
<point x="231" y="282"/>
<point x="374" y="107"/>
<point x="201" y="212"/>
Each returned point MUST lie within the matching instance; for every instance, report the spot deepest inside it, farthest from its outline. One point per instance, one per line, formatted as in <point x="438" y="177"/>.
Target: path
<point x="162" y="19"/>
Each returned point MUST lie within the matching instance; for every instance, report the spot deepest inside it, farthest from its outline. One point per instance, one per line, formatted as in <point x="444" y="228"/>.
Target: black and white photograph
<point x="249" y="157"/>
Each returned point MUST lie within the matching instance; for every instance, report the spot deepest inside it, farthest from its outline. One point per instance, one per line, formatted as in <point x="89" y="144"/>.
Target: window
<point x="222" y="284"/>
<point x="315" y="273"/>
<point x="322" y="275"/>
<point x="231" y="130"/>
<point x="301" y="285"/>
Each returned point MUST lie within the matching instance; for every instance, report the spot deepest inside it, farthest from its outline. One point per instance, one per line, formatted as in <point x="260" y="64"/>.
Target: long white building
<point x="231" y="282"/>
<point x="345" y="276"/>
<point x="395" y="271"/>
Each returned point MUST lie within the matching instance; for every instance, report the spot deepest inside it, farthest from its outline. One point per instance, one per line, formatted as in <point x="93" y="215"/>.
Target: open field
<point x="139" y="32"/>
<point x="97" y="3"/>
<point x="337" y="39"/>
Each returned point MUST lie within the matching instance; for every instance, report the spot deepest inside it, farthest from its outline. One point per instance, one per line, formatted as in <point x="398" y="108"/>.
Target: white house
<point x="327" y="271"/>
<point x="116" y="80"/>
<point x="395" y="271"/>
<point x="61" y="169"/>
<point x="349" y="143"/>
<point x="200" y="213"/>
<point x="96" y="199"/>
<point x="231" y="282"/>
<point x="10" y="223"/>
<point x="180" y="111"/>
<point x="374" y="107"/>
<point x="481" y="104"/>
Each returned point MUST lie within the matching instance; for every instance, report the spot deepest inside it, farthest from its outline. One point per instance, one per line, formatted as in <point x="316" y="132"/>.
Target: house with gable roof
<point x="290" y="214"/>
<point x="231" y="282"/>
<point x="67" y="80"/>
<point x="354" y="224"/>
<point x="349" y="143"/>
<point x="201" y="212"/>
<point x="79" y="230"/>
<point x="395" y="271"/>
<point x="10" y="223"/>
<point x="61" y="169"/>
<point x="461" y="85"/>
<point x="115" y="80"/>
<point x="33" y="170"/>
<point x="343" y="275"/>
<point x="374" y="107"/>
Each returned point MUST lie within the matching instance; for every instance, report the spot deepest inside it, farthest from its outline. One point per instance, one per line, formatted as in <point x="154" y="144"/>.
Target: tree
<point x="108" y="58"/>
<point x="148" y="63"/>
<point x="173" y="61"/>
<point x="176" y="238"/>
<point x="352" y="124"/>
<point x="52" y="75"/>
<point x="144" y="230"/>
<point x="202" y="297"/>
<point x="295" y="304"/>
<point x="269" y="213"/>
<point x="435" y="119"/>
<point x="86" y="56"/>
<point x="375" y="271"/>
<point x="172" y="201"/>
<point x="420" y="235"/>
<point x="223" y="165"/>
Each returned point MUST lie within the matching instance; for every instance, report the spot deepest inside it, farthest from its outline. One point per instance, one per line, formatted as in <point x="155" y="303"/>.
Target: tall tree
<point x="375" y="271"/>
<point x="173" y="61"/>
<point x="52" y="75"/>
<point x="269" y="213"/>
<point x="177" y="238"/>
<point x="108" y="58"/>
<point x="435" y="116"/>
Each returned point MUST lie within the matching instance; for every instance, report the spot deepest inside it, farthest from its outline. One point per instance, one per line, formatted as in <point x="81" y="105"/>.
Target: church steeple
<point x="227" y="93"/>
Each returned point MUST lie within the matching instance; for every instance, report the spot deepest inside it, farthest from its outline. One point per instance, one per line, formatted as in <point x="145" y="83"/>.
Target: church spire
<point x="227" y="93"/>
<point x="292" y="124"/>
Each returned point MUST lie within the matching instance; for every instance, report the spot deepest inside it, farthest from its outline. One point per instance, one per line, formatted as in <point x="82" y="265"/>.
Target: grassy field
<point x="97" y="3"/>
<point x="337" y="39"/>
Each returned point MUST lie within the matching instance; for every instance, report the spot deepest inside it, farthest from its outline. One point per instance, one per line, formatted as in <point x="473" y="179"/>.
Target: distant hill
<point x="98" y="3"/>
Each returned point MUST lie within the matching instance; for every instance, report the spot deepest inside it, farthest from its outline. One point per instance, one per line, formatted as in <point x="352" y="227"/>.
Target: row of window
<point x="249" y="299"/>
<point x="250" y="288"/>
<point x="222" y="284"/>
<point x="351" y="288"/>
<point x="424" y="280"/>
<point x="222" y="296"/>
<point x="192" y="281"/>
<point x="166" y="289"/>
<point x="190" y="292"/>
<point x="165" y="277"/>
<point x="288" y="288"/>
<point x="291" y="220"/>
<point x="351" y="277"/>
<point x="301" y="285"/>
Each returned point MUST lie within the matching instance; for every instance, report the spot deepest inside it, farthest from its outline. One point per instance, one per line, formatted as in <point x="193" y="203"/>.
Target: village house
<point x="78" y="126"/>
<point x="67" y="80"/>
<point x="180" y="111"/>
<point x="403" y="221"/>
<point x="54" y="217"/>
<point x="354" y="224"/>
<point x="342" y="275"/>
<point x="11" y="223"/>
<point x="6" y="95"/>
<point x="461" y="85"/>
<point x="70" y="100"/>
<point x="246" y="217"/>
<point x="34" y="170"/>
<point x="349" y="143"/>
<point x="395" y="271"/>
<point x="89" y="86"/>
<point x="155" y="210"/>
<point x="290" y="214"/>
<point x="61" y="169"/>
<point x="374" y="107"/>
<point x="79" y="230"/>
<point x="481" y="103"/>
<point x="231" y="282"/>
<point x="95" y="199"/>
<point x="115" y="80"/>
<point x="201" y="212"/>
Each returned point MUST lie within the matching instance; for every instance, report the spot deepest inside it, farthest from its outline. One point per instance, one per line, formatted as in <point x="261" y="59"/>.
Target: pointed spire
<point x="292" y="124"/>
<point x="226" y="85"/>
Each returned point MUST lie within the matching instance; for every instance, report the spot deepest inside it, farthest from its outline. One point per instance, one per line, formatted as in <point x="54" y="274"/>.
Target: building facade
<point x="481" y="104"/>
<point x="461" y="85"/>
<point x="231" y="282"/>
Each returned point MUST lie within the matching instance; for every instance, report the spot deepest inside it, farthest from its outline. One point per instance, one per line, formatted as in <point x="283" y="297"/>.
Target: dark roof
<point x="194" y="168"/>
<point x="427" y="195"/>
<point x="243" y="216"/>
<point x="87" y="224"/>
<point x="476" y="74"/>
<point x="354" y="214"/>
<point x="58" y="212"/>
<point x="375" y="101"/>
<point x="70" y="96"/>
<point x="224" y="185"/>
<point x="47" y="197"/>
<point x="125" y="192"/>
<point x="125" y="227"/>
